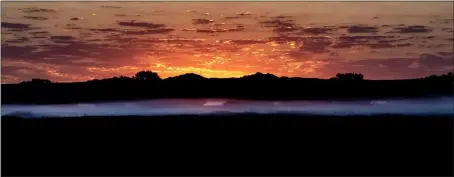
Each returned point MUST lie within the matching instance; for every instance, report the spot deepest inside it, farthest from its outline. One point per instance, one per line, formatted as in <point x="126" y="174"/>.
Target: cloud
<point x="411" y="29"/>
<point x="19" y="26"/>
<point x="243" y="41"/>
<point x="17" y="51"/>
<point x="62" y="39"/>
<point x="318" y="30"/>
<point x="280" y="25"/>
<point x="18" y="40"/>
<point x="201" y="21"/>
<point x="76" y="18"/>
<point x="362" y="29"/>
<point x="374" y="41"/>
<point x="110" y="7"/>
<point x="35" y="18"/>
<point x="218" y="30"/>
<point x="104" y="29"/>
<point x="34" y="10"/>
<point x="231" y="17"/>
<point x="140" y="24"/>
<point x="244" y="13"/>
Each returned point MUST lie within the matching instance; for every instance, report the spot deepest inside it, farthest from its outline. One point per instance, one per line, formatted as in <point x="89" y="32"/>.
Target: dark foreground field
<point x="229" y="145"/>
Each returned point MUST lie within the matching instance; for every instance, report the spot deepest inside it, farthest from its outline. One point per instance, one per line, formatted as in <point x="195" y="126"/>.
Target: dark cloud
<point x="104" y="30"/>
<point x="362" y="29"/>
<point x="39" y="37"/>
<point x="111" y="7"/>
<point x="16" y="51"/>
<point x="201" y="21"/>
<point x="451" y="30"/>
<point x="433" y="61"/>
<point x="35" y="18"/>
<point x="280" y="24"/>
<point x="140" y="24"/>
<point x="283" y="16"/>
<point x="243" y="42"/>
<point x="318" y="30"/>
<point x="244" y="13"/>
<point x="70" y="53"/>
<point x="61" y="37"/>
<point x="443" y="21"/>
<point x="19" y="26"/>
<point x="231" y="17"/>
<point x="411" y="29"/>
<point x="350" y="41"/>
<point x="428" y="37"/>
<point x="403" y="45"/>
<point x="76" y="18"/>
<point x="447" y="54"/>
<point x="316" y="44"/>
<point x="220" y="30"/>
<point x="32" y="10"/>
<point x="18" y="40"/>
<point x="284" y="39"/>
<point x="74" y="28"/>
<point x="151" y="31"/>
<point x="379" y="46"/>
<point x="433" y="46"/>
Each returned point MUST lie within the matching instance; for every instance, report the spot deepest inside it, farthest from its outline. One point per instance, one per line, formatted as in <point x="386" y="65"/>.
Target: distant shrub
<point x="147" y="76"/>
<point x="349" y="77"/>
<point x="37" y="81"/>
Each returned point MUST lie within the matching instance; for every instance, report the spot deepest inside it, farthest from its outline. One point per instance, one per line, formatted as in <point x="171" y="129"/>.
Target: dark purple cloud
<point x="318" y="30"/>
<point x="35" y="18"/>
<point x="362" y="29"/>
<point x="20" y="26"/>
<point x="201" y="21"/>
<point x="111" y="7"/>
<point x="140" y="24"/>
<point x="411" y="29"/>
<point x="33" y="10"/>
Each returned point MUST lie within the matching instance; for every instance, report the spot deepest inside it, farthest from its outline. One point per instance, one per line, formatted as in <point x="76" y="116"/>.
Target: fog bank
<point x="433" y="106"/>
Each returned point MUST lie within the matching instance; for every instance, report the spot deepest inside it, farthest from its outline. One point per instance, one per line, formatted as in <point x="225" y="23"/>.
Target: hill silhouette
<point x="149" y="85"/>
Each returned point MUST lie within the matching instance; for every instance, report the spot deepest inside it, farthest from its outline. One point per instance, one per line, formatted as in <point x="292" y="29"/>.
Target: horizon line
<point x="279" y="77"/>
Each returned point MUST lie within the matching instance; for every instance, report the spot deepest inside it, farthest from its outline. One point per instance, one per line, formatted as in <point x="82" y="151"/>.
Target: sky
<point x="79" y="41"/>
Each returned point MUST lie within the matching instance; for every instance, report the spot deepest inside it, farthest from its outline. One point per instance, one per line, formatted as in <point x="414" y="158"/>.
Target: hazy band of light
<point x="434" y="106"/>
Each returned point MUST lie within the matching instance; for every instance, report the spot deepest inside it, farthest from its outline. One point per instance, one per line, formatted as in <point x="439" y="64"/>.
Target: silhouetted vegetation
<point x="444" y="77"/>
<point x="37" y="81"/>
<point x="349" y="77"/>
<point x="147" y="76"/>
<point x="148" y="85"/>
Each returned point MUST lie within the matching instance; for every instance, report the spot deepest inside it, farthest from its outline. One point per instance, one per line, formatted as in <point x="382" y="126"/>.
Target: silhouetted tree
<point x="261" y="76"/>
<point x="444" y="77"/>
<point x="37" y="81"/>
<point x="147" y="76"/>
<point x="187" y="77"/>
<point x="349" y="77"/>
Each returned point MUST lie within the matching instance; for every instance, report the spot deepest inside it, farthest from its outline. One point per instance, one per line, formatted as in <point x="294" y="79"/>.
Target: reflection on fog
<point x="433" y="106"/>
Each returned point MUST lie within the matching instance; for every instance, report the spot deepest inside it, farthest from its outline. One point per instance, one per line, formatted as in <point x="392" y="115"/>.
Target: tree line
<point x="149" y="85"/>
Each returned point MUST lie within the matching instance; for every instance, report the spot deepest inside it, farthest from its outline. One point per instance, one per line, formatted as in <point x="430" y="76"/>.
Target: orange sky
<point x="77" y="41"/>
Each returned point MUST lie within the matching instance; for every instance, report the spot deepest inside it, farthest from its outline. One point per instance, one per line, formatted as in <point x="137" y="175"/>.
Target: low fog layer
<point x="434" y="106"/>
